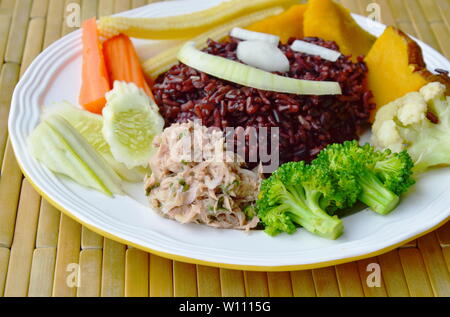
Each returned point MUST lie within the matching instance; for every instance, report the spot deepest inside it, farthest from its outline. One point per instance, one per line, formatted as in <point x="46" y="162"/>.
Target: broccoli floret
<point x="382" y="176"/>
<point x="307" y="195"/>
<point x="348" y="189"/>
<point x="374" y="194"/>
<point x="296" y="194"/>
<point x="395" y="170"/>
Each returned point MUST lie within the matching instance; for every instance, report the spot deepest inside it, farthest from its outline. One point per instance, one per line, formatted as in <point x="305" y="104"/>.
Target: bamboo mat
<point x="40" y="249"/>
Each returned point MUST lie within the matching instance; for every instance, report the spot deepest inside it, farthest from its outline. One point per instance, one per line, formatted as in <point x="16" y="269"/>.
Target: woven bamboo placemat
<point x="40" y="249"/>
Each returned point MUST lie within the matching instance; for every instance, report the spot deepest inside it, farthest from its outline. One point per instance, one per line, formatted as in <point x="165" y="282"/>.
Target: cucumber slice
<point x="130" y="122"/>
<point x="252" y="77"/>
<point x="63" y="150"/>
<point x="87" y="153"/>
<point x="90" y="125"/>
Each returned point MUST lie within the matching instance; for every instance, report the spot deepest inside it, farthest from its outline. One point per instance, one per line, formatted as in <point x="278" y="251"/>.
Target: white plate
<point x="55" y="76"/>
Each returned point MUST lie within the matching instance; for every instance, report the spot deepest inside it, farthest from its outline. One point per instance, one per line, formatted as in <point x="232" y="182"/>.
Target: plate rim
<point x="198" y="261"/>
<point x="184" y="259"/>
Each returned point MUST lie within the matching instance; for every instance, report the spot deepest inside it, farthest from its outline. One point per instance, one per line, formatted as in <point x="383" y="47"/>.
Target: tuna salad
<point x="195" y="180"/>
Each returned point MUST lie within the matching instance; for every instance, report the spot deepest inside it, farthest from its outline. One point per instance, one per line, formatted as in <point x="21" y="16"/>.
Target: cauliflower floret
<point x="404" y="124"/>
<point x="432" y="91"/>
<point x="388" y="137"/>
<point x="413" y="108"/>
<point x="386" y="113"/>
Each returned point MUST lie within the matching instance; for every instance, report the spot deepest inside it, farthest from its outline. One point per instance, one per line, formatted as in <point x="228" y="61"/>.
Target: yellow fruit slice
<point x="332" y="22"/>
<point x="396" y="67"/>
<point x="285" y="25"/>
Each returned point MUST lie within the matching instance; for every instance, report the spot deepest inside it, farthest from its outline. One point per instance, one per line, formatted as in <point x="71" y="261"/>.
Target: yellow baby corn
<point x="183" y="26"/>
<point x="164" y="60"/>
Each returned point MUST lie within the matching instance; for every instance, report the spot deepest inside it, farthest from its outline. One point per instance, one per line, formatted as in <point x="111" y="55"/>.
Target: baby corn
<point x="183" y="26"/>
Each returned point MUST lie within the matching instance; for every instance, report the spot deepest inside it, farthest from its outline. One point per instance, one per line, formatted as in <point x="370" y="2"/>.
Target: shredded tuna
<point x="194" y="179"/>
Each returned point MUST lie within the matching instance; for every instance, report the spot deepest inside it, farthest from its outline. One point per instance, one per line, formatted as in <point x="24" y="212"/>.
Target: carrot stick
<point x="95" y="82"/>
<point x="123" y="62"/>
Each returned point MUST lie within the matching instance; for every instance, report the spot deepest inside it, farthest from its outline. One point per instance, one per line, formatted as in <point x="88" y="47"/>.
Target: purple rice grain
<point x="307" y="123"/>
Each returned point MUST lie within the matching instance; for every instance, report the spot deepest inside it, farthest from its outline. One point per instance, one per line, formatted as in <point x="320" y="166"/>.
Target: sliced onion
<point x="252" y="77"/>
<point x="247" y="35"/>
<point x="262" y="55"/>
<point x="312" y="49"/>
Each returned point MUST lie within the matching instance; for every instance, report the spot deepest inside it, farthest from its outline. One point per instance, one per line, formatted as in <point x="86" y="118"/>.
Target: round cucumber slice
<point x="130" y="122"/>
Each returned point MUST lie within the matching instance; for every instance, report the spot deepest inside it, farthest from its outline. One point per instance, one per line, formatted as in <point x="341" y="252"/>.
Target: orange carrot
<point x="123" y="62"/>
<point x="95" y="82"/>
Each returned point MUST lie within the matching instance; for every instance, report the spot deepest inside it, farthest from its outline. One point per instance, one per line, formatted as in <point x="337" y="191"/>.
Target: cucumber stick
<point x="90" y="125"/>
<point x="250" y="76"/>
<point x="63" y="150"/>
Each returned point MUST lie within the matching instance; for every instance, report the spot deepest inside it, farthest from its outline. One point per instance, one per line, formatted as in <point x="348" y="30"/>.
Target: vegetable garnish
<point x="247" y="35"/>
<point x="252" y="77"/>
<point x="95" y="81"/>
<point x="382" y="176"/>
<point x="419" y="122"/>
<point x="299" y="194"/>
<point x="262" y="55"/>
<point x="162" y="62"/>
<point x="184" y="26"/>
<point x="63" y="150"/>
<point x="312" y="49"/>
<point x="130" y="122"/>
<point x="90" y="125"/>
<point x="306" y="195"/>
<point x="123" y="62"/>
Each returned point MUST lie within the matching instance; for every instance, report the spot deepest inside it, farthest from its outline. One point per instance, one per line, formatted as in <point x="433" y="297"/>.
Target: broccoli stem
<point x="375" y="195"/>
<point x="305" y="210"/>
